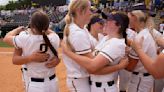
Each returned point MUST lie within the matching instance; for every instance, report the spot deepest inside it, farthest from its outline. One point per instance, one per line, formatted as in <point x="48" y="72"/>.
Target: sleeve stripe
<point x="107" y="55"/>
<point x="133" y="56"/>
<point x="15" y="44"/>
<point x="83" y="50"/>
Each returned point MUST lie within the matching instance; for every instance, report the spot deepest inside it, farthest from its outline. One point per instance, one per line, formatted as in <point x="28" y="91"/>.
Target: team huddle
<point x="115" y="53"/>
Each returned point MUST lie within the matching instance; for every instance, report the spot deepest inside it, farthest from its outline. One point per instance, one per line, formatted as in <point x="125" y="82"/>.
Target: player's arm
<point x="155" y="68"/>
<point x="110" y="69"/>
<point x="10" y="35"/>
<point x="53" y="62"/>
<point x="132" y="64"/>
<point x="129" y="42"/>
<point x="133" y="60"/>
<point x="18" y="59"/>
<point x="91" y="65"/>
<point x="160" y="41"/>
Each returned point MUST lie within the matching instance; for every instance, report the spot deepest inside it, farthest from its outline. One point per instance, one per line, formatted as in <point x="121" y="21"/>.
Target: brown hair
<point x="91" y="21"/>
<point x="39" y="21"/>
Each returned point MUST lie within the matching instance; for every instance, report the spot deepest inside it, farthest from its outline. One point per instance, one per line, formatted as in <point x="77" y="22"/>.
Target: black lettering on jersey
<point x="43" y="47"/>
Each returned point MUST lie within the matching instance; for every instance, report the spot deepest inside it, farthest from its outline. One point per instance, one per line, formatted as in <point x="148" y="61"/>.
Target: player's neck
<point x="35" y="32"/>
<point x="79" y="23"/>
<point x="94" y="34"/>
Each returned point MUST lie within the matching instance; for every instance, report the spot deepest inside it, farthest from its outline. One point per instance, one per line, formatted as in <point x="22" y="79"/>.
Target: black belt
<point x="75" y="78"/>
<point x="23" y="69"/>
<point x="144" y="74"/>
<point x="42" y="79"/>
<point x="99" y="84"/>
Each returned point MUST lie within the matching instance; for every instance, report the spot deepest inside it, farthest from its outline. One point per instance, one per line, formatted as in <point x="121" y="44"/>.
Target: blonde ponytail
<point x="73" y="6"/>
<point x="68" y="20"/>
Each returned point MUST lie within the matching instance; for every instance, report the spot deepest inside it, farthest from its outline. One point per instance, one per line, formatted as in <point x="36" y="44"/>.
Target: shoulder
<point x="144" y="33"/>
<point x="24" y="33"/>
<point x="118" y="42"/>
<point x="73" y="26"/>
<point x="53" y="34"/>
<point x="53" y="37"/>
<point x="114" y="49"/>
<point x="115" y="44"/>
<point x="76" y="33"/>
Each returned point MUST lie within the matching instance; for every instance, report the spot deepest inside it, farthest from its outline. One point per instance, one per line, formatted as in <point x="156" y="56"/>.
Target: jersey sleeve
<point x="23" y="33"/>
<point x="80" y="42"/>
<point x="132" y="53"/>
<point x="55" y="40"/>
<point x="130" y="34"/>
<point x="19" y="40"/>
<point x="113" y="51"/>
<point x="145" y="46"/>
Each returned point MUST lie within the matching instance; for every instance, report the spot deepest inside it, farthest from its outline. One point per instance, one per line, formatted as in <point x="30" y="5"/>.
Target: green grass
<point x="3" y="44"/>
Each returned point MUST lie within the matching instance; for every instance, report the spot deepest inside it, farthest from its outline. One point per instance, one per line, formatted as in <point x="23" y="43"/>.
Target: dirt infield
<point x="10" y="75"/>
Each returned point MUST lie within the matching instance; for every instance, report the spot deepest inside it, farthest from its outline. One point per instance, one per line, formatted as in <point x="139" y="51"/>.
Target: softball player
<point x="34" y="56"/>
<point x="24" y="68"/>
<point x="154" y="67"/>
<point x="77" y="37"/>
<point x="108" y="53"/>
<point x="125" y="75"/>
<point x="141" y="80"/>
<point x="158" y="84"/>
<point x="95" y="27"/>
<point x="40" y="78"/>
<point x="18" y="52"/>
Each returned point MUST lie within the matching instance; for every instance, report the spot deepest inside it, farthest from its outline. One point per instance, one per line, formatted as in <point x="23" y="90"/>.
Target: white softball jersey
<point x="130" y="34"/>
<point x="113" y="49"/>
<point x="80" y="40"/>
<point x="32" y="43"/>
<point x="149" y="47"/>
<point x="125" y="75"/>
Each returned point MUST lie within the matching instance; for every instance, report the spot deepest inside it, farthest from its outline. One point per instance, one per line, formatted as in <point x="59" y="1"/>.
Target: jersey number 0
<point x="43" y="48"/>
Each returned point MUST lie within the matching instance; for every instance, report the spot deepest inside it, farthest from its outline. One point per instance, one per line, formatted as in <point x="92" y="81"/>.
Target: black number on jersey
<point x="43" y="48"/>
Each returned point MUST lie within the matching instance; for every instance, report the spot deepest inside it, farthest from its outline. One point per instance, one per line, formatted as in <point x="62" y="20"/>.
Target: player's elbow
<point x="8" y="40"/>
<point x="157" y="75"/>
<point x="92" y="69"/>
<point x="5" y="39"/>
<point x="15" y="62"/>
<point x="129" y="69"/>
<point x="131" y="66"/>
